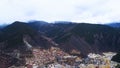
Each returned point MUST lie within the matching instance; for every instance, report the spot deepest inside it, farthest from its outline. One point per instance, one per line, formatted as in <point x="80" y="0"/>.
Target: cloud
<point x="90" y="11"/>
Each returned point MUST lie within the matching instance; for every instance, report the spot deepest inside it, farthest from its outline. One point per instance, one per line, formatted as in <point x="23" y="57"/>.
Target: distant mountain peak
<point x="116" y="24"/>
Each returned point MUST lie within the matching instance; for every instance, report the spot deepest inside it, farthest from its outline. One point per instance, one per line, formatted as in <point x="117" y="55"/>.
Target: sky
<point x="87" y="11"/>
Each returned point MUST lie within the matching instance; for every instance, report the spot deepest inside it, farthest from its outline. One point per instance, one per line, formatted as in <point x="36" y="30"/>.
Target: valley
<point x="40" y="44"/>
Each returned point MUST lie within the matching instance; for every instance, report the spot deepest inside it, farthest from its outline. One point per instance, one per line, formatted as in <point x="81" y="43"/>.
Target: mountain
<point x="116" y="25"/>
<point x="83" y="37"/>
<point x="51" y="29"/>
<point x="91" y="38"/>
<point x="20" y="38"/>
<point x="14" y="34"/>
<point x="70" y="37"/>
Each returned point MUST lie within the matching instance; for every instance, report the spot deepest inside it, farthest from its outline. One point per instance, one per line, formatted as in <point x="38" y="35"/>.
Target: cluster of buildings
<point x="43" y="57"/>
<point x="92" y="61"/>
<point x="57" y="58"/>
<point x="98" y="61"/>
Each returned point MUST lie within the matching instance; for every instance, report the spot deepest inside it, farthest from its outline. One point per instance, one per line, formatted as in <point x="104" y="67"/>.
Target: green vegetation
<point x="118" y="66"/>
<point x="116" y="58"/>
<point x="14" y="33"/>
<point x="89" y="30"/>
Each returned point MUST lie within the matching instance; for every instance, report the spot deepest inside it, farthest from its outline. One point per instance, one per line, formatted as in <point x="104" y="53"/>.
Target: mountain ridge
<point x="97" y="36"/>
<point x="86" y="36"/>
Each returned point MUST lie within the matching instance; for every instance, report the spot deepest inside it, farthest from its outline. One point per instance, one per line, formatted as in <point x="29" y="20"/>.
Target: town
<point x="56" y="58"/>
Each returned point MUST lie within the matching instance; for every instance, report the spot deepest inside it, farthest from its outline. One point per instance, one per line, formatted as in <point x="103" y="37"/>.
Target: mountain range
<point x="82" y="37"/>
<point x="114" y="24"/>
<point x="68" y="36"/>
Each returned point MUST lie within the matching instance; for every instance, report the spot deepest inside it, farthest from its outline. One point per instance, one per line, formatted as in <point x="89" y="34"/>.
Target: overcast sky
<point x="90" y="11"/>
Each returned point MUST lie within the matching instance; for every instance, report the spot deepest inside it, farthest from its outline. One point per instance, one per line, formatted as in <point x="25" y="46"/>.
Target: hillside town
<point x="56" y="58"/>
